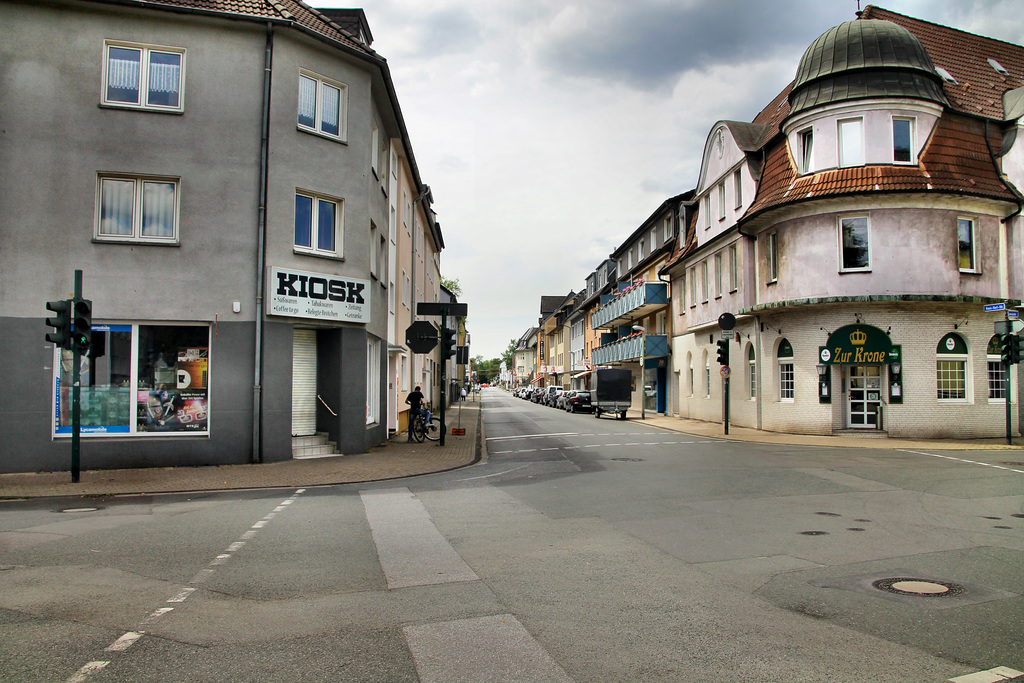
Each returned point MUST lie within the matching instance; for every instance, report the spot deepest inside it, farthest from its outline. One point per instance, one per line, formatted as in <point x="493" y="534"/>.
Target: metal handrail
<point x="326" y="406"/>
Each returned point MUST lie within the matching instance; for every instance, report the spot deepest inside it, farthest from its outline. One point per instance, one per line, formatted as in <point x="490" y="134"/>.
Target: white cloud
<point x="549" y="130"/>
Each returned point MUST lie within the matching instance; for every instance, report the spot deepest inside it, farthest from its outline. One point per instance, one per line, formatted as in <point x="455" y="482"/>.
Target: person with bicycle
<point x="415" y="401"/>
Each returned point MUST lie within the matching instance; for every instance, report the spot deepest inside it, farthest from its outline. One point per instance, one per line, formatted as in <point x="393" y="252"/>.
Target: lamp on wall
<point x="822" y="369"/>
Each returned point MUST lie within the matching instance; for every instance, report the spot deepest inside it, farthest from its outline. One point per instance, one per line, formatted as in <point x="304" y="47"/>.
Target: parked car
<point x="560" y="401"/>
<point x="552" y="394"/>
<point x="577" y="402"/>
<point x="537" y="395"/>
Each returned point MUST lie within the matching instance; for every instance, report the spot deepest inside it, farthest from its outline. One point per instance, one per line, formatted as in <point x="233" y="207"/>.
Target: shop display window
<point x="138" y="379"/>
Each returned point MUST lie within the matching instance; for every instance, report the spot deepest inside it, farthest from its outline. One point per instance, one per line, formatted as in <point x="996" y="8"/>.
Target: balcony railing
<point x="628" y="349"/>
<point x="631" y="304"/>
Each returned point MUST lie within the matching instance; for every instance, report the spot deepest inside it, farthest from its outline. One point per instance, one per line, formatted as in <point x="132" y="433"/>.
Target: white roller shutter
<point x="303" y="382"/>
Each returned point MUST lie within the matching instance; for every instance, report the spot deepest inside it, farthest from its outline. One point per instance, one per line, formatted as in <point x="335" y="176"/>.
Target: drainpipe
<point x="261" y="237"/>
<point x="758" y="366"/>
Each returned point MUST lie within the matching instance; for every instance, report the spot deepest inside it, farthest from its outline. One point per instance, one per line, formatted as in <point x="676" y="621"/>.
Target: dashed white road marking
<point x="125" y="641"/>
<point x="122" y="644"/>
<point x="86" y="671"/>
<point x="530" y="436"/>
<point x="964" y="460"/>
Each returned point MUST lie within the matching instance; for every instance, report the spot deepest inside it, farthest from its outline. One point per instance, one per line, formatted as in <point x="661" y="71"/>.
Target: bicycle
<point x="426" y="427"/>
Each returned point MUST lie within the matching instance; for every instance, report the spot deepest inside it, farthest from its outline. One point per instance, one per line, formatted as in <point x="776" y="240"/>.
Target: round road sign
<point x="725" y="371"/>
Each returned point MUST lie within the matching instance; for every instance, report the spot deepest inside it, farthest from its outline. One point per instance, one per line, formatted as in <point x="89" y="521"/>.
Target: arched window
<point x="689" y="377"/>
<point x="951" y="369"/>
<point x="996" y="370"/>
<point x="751" y="372"/>
<point x="787" y="376"/>
<point x="707" y="375"/>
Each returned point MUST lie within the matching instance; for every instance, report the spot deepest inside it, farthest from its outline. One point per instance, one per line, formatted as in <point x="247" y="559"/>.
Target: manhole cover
<point x="924" y="588"/>
<point x="628" y="459"/>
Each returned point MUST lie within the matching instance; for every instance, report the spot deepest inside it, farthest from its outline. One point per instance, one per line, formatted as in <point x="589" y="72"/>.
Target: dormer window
<point x="945" y="75"/>
<point x="903" y="140"/>
<point x="851" y="142"/>
<point x="1000" y="69"/>
<point x="806" y="138"/>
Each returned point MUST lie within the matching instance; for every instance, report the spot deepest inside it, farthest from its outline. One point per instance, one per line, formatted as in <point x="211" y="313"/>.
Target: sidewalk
<point x="869" y="440"/>
<point x="392" y="459"/>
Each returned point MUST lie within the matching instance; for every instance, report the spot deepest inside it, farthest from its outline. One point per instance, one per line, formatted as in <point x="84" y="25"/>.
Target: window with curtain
<point x="965" y="244"/>
<point x="321" y="106"/>
<point x="143" y="77"/>
<point x="854" y="244"/>
<point x="138" y="208"/>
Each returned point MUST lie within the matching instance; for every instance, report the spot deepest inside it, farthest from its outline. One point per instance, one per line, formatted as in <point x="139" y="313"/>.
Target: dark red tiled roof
<point x="979" y="88"/>
<point x="289" y="10"/>
<point x="955" y="160"/>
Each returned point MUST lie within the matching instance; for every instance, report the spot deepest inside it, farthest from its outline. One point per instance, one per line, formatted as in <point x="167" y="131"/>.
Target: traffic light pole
<point x="76" y="394"/>
<point x="444" y="372"/>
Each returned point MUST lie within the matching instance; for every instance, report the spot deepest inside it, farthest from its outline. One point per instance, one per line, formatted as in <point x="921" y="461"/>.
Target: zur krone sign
<point x="299" y="294"/>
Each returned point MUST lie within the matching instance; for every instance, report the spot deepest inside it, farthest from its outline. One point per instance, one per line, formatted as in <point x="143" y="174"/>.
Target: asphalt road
<point x="581" y="550"/>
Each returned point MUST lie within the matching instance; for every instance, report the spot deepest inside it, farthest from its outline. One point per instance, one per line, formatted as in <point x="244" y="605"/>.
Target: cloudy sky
<point x="549" y="130"/>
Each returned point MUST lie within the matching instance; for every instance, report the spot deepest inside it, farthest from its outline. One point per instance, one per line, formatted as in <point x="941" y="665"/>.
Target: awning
<point x="582" y="374"/>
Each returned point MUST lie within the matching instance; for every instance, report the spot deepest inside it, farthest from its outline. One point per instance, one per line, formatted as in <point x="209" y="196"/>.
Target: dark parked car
<point x="537" y="395"/>
<point x="578" y="402"/>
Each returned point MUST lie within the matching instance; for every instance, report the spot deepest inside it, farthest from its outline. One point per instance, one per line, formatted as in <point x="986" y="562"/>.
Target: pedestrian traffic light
<point x="61" y="323"/>
<point x="447" y="343"/>
<point x="81" y="332"/>
<point x="1011" y="349"/>
<point x="723" y="352"/>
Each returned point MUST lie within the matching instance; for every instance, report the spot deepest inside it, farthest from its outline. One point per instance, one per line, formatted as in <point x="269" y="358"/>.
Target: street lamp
<point x="643" y="381"/>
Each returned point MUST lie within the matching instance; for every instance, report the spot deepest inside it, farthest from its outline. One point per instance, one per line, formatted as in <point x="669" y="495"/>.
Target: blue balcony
<point x="628" y="349"/>
<point x="625" y="307"/>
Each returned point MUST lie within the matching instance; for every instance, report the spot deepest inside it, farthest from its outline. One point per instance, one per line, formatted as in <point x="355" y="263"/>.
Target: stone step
<point x="315" y="446"/>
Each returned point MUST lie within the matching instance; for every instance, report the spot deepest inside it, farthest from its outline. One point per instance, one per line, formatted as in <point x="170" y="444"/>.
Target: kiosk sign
<point x="300" y="294"/>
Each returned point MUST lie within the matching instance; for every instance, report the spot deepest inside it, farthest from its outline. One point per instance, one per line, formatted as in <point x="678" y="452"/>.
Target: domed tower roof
<point x="864" y="58"/>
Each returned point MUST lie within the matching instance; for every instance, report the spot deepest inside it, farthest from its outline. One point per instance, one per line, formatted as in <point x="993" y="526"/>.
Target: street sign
<point x="1012" y="315"/>
<point x="994" y="307"/>
<point x="725" y="371"/>
<point x="1008" y="326"/>
<point x="728" y="334"/>
<point x="439" y="308"/>
<point x="421" y="337"/>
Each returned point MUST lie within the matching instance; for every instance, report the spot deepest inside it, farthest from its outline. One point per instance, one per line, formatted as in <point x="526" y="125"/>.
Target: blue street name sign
<point x="995" y="307"/>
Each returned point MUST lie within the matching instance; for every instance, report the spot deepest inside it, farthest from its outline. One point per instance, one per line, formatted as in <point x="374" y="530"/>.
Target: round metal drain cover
<point x="628" y="459"/>
<point x="925" y="588"/>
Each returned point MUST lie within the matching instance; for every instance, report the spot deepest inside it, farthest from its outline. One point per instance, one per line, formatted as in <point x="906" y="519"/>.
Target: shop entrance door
<point x="864" y="392"/>
<point x="303" y="382"/>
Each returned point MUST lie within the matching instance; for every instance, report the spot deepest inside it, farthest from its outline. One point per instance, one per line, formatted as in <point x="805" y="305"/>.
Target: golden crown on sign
<point x="858" y="338"/>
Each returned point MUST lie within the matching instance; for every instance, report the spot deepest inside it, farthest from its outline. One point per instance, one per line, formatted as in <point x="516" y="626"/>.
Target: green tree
<point x="509" y="355"/>
<point x="452" y="285"/>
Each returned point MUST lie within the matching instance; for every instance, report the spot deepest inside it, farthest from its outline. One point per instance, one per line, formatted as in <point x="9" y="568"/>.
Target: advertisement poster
<point x="183" y="408"/>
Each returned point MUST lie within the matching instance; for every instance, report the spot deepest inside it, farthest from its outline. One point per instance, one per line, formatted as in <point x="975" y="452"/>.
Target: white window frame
<point x="139" y="183"/>
<point x="806" y="140"/>
<point x="339" y="221"/>
<point x="375" y="151"/>
<point x="912" y="123"/>
<point x="718" y="275"/>
<point x="851" y="142"/>
<point x="721" y="201"/>
<point x="772" y="248"/>
<point x="840" y="223"/>
<point x="373" y="380"/>
<point x="707" y="377"/>
<point x="706" y="202"/>
<point x="751" y="374"/>
<point x="704" y="282"/>
<point x="317" y="127"/>
<point x="974" y="244"/>
<point x="996" y="379"/>
<point x="146" y="52"/>
<point x="737" y="181"/>
<point x="693" y="287"/>
<point x="374" y="252"/>
<point x="956" y="364"/>
<point x="734" y="270"/>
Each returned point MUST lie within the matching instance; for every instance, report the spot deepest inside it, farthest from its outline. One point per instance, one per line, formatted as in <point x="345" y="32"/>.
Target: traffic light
<point x="61" y="323"/>
<point x="723" y="352"/>
<point x="81" y="332"/>
<point x="1011" y="349"/>
<point x="447" y="343"/>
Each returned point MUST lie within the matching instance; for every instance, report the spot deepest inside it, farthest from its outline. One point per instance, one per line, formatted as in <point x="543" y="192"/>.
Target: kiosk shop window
<point x="138" y="379"/>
